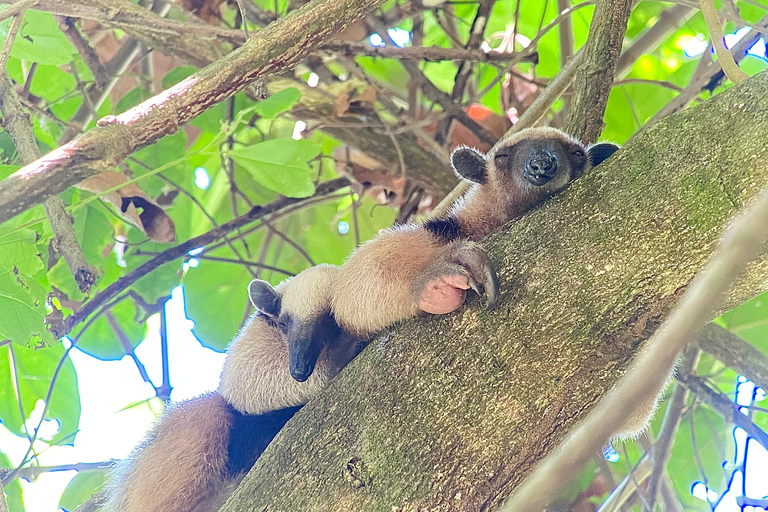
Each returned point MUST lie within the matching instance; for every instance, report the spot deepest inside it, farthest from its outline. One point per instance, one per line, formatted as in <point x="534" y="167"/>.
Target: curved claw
<point x="491" y="286"/>
<point x="480" y="272"/>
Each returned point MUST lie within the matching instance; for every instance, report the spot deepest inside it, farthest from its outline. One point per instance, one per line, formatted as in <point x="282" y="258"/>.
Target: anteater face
<point x="540" y="158"/>
<point x="300" y="308"/>
<point x="534" y="163"/>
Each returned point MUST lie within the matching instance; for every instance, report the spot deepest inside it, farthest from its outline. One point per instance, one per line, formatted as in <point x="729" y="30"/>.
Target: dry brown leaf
<point x="128" y="200"/>
<point x="354" y="103"/>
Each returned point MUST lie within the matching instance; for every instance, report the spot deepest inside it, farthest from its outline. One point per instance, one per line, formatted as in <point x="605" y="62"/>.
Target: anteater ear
<point x="264" y="298"/>
<point x="599" y="152"/>
<point x="469" y="164"/>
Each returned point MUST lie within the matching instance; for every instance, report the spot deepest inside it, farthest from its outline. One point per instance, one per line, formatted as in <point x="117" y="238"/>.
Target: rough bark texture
<point x="594" y="79"/>
<point x="275" y="48"/>
<point x="451" y="413"/>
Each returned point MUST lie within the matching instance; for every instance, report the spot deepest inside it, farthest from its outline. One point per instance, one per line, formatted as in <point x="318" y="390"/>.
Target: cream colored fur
<point x="255" y="378"/>
<point x="179" y="467"/>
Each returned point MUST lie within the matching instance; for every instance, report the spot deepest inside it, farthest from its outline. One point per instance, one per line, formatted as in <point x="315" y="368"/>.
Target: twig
<point x="741" y="244"/>
<point x="165" y="387"/>
<point x="16" y="122"/>
<point x="34" y="471"/>
<point x="3" y="503"/>
<point x="724" y="406"/>
<point x="662" y="448"/>
<point x="67" y="26"/>
<point x="8" y="43"/>
<point x="16" y="8"/>
<point x="46" y="404"/>
<point x="425" y="53"/>
<point x="735" y="353"/>
<point x="724" y="57"/>
<point x="127" y="347"/>
<point x="669" y="20"/>
<point x="256" y="213"/>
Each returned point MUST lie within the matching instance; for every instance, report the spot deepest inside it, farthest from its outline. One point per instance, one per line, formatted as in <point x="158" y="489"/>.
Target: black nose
<point x="301" y="374"/>
<point x="540" y="167"/>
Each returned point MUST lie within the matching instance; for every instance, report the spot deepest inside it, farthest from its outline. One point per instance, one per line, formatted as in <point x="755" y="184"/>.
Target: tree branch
<point x="453" y="412"/>
<point x="277" y="47"/>
<point x="594" y="78"/>
<point x="725" y="407"/>
<point x="735" y="353"/>
<point x="741" y="244"/>
<point x="724" y="57"/>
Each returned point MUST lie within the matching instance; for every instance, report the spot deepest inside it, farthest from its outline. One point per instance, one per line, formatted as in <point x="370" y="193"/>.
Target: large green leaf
<point x="40" y="40"/>
<point x="216" y="297"/>
<point x="33" y="369"/>
<point x="280" y="165"/>
<point x="94" y="233"/>
<point x="19" y="249"/>
<point x="276" y="104"/>
<point x="22" y="308"/>
<point x="99" y="338"/>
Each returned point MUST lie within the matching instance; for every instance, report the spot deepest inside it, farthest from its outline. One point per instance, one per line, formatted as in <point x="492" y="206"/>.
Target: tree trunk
<point x="452" y="412"/>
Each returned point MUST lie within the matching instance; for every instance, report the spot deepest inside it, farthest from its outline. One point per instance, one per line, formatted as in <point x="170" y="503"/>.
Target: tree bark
<point x="452" y="412"/>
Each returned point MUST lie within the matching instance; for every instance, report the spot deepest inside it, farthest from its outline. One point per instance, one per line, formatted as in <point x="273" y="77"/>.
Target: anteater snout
<point x="540" y="167"/>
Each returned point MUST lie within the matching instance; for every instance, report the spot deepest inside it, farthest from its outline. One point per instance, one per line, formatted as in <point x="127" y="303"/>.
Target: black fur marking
<point x="600" y="152"/>
<point x="305" y="342"/>
<point x="250" y="434"/>
<point x="469" y="164"/>
<point x="446" y="228"/>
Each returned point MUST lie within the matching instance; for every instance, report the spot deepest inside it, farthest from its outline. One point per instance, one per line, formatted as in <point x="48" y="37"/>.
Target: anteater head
<point x="300" y="308"/>
<point x="534" y="163"/>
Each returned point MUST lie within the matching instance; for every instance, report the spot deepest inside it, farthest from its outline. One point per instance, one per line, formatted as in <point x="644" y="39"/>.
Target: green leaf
<point x="40" y="40"/>
<point x="278" y="103"/>
<point x="12" y="489"/>
<point x="19" y="249"/>
<point x="32" y="369"/>
<point x="216" y="298"/>
<point x="280" y="165"/>
<point x="99" y="339"/>
<point x="176" y="75"/>
<point x="131" y="99"/>
<point x="22" y="308"/>
<point x="84" y="485"/>
<point x="93" y="232"/>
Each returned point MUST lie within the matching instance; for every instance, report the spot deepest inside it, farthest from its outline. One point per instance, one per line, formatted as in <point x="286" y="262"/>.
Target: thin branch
<point x="17" y="8"/>
<point x="662" y="448"/>
<point x="165" y="387"/>
<point x="256" y="213"/>
<point x="67" y="26"/>
<point x="425" y="53"/>
<point x="735" y="353"/>
<point x="668" y="21"/>
<point x="35" y="471"/>
<point x="253" y="264"/>
<point x="741" y="244"/>
<point x="8" y="43"/>
<point x="127" y="347"/>
<point x="724" y="57"/>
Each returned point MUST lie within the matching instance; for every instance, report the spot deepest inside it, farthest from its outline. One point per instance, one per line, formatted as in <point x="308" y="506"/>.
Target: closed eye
<point x="577" y="152"/>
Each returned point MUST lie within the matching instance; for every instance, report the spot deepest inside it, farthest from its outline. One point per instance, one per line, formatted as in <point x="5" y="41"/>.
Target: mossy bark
<point x="452" y="412"/>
